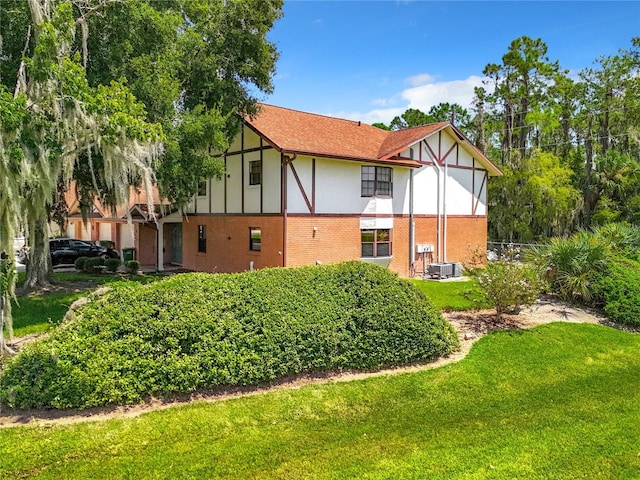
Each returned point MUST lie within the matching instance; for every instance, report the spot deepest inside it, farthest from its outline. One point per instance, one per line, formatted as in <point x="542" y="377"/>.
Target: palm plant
<point x="569" y="264"/>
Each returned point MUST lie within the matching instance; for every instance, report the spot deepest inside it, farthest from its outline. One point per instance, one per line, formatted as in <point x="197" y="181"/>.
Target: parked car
<point x="67" y="250"/>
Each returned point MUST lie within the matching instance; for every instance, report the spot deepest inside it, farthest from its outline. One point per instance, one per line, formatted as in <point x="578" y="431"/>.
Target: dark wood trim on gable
<point x="304" y="194"/>
<point x="484" y="181"/>
<point x="313" y="185"/>
<point x="254" y="149"/>
<point x="261" y="176"/>
<point x="242" y="171"/>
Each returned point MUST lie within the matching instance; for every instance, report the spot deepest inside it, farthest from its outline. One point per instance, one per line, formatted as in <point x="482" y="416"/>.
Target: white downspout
<point x="412" y="227"/>
<point x="444" y="208"/>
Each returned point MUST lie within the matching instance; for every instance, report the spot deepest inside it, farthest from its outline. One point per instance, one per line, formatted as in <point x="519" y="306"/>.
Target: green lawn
<point x="561" y="401"/>
<point x="37" y="313"/>
<point x="452" y="295"/>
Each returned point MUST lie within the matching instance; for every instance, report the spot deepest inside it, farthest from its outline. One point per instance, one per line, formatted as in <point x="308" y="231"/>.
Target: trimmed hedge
<point x="196" y="330"/>
<point x="619" y="289"/>
<point x="79" y="263"/>
<point x="112" y="264"/>
<point x="92" y="264"/>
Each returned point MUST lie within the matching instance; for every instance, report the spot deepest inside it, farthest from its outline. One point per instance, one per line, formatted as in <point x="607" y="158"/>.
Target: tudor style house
<point x="303" y="189"/>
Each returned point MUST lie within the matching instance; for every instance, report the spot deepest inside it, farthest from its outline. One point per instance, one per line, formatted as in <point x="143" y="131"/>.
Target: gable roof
<point x="302" y="133"/>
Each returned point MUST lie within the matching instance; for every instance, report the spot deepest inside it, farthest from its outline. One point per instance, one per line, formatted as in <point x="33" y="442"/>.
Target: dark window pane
<point x="255" y="173"/>
<point x="383" y="249"/>
<point x="382" y="235"/>
<point x="368" y="188"/>
<point x="367" y="236"/>
<point x="367" y="249"/>
<point x="202" y="238"/>
<point x="202" y="188"/>
<point x="255" y="239"/>
<point x="384" y="189"/>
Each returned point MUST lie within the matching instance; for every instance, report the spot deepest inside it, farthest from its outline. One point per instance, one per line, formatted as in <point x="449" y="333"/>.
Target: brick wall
<point x="228" y="243"/>
<point x="334" y="239"/>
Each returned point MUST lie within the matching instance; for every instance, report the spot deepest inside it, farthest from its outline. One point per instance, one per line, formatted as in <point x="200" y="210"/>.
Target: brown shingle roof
<point x="293" y="131"/>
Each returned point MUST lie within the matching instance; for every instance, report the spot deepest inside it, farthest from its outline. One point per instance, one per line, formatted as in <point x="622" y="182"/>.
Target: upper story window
<point x="202" y="188"/>
<point x="255" y="172"/>
<point x="376" y="181"/>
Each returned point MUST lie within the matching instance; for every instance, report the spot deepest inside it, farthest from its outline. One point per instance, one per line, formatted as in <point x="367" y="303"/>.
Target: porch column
<point x="160" y="242"/>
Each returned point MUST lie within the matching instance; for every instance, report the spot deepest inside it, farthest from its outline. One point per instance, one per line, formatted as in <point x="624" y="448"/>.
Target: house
<point x="302" y="189"/>
<point x="106" y="225"/>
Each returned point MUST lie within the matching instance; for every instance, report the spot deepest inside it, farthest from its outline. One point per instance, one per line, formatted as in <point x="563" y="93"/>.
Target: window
<point x="376" y="181"/>
<point x="255" y="239"/>
<point x="376" y="243"/>
<point x="202" y="188"/>
<point x="255" y="172"/>
<point x="202" y="238"/>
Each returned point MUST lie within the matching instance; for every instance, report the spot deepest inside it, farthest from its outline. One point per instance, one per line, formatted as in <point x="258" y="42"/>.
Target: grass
<point x="458" y="295"/>
<point x="557" y="402"/>
<point x="39" y="312"/>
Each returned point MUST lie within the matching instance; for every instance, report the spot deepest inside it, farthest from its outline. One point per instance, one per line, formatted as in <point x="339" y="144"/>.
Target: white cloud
<point x="384" y="115"/>
<point x="424" y="94"/>
<point x="420" y="79"/>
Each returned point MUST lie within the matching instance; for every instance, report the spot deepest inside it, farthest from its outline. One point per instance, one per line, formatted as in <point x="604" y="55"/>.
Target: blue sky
<point x="371" y="60"/>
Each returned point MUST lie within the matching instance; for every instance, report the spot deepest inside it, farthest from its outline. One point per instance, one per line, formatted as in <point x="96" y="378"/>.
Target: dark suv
<point x="67" y="250"/>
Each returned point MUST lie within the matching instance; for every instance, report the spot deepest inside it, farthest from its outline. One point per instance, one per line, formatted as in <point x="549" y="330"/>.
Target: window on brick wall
<point x="202" y="238"/>
<point x="255" y="172"/>
<point x="376" y="243"/>
<point x="376" y="181"/>
<point x="255" y="239"/>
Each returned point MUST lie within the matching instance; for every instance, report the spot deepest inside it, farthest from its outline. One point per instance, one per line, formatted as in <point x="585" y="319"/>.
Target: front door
<point x="176" y="243"/>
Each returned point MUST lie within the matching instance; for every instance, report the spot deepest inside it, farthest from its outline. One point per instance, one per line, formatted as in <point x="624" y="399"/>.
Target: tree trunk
<point x="39" y="268"/>
<point x="589" y="203"/>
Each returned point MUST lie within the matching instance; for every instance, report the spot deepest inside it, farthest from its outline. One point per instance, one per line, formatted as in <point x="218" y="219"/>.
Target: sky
<point x="371" y="60"/>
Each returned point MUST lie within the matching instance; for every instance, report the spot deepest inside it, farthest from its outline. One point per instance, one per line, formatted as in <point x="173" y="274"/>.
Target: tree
<point x="194" y="64"/>
<point x="521" y="85"/>
<point x="534" y="201"/>
<point x="54" y="122"/>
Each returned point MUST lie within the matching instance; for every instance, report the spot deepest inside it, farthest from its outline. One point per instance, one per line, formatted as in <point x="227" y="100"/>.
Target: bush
<point x="619" y="291"/>
<point x="112" y="264"/>
<point x="570" y="264"/>
<point x="92" y="264"/>
<point x="196" y="330"/>
<point x="132" y="266"/>
<point x="508" y="286"/>
<point x="79" y="263"/>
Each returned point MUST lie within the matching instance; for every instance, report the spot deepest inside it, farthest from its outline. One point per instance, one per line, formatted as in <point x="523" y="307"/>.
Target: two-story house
<point x="302" y="189"/>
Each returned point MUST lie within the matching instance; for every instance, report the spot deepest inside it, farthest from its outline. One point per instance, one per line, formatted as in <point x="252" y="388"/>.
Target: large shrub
<point x="619" y="290"/>
<point x="570" y="264"/>
<point x="508" y="286"/>
<point x="195" y="331"/>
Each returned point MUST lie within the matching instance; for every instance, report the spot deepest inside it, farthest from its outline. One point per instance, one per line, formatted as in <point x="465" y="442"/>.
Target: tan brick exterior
<point x="228" y="243"/>
<point x="336" y="239"/>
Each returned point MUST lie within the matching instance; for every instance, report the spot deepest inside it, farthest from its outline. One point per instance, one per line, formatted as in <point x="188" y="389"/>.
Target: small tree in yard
<point x="508" y="286"/>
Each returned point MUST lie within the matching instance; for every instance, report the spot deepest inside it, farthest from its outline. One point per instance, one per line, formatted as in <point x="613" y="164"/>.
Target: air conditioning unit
<point x="440" y="270"/>
<point x="424" y="248"/>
